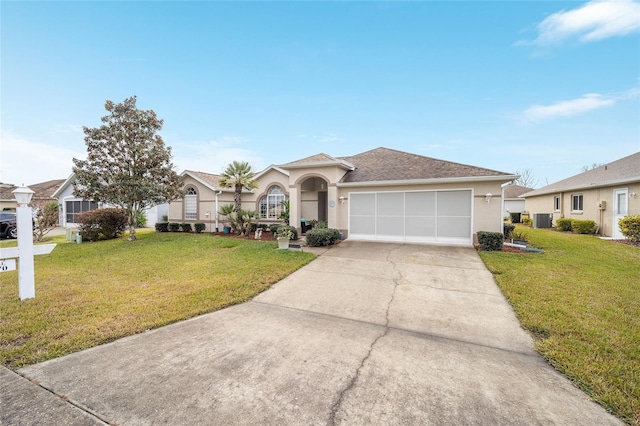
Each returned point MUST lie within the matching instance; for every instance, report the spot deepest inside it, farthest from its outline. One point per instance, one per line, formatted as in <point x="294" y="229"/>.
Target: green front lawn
<point x="581" y="301"/>
<point x="94" y="293"/>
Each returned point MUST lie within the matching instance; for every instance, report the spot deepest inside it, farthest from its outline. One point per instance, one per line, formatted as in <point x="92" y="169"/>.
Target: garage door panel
<point x="454" y="203"/>
<point x="390" y="204"/>
<point x="390" y="226"/>
<point x="458" y="227"/>
<point x="420" y="226"/>
<point x="420" y="203"/>
<point x="363" y="204"/>
<point x="363" y="225"/>
<point x="419" y="216"/>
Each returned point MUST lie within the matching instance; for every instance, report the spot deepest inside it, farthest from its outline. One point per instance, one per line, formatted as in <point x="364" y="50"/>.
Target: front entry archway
<point x="313" y="199"/>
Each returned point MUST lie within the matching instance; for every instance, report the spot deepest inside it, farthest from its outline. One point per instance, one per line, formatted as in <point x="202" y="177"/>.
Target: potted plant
<point x="226" y="211"/>
<point x="284" y="235"/>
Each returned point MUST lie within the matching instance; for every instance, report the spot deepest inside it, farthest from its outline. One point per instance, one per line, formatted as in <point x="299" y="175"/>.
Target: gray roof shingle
<point x="626" y="169"/>
<point x="384" y="164"/>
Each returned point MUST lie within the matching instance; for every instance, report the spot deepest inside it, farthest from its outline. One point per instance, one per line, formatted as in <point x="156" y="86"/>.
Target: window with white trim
<point x="270" y="206"/>
<point x="556" y="203"/>
<point x="191" y="204"/>
<point x="576" y="203"/>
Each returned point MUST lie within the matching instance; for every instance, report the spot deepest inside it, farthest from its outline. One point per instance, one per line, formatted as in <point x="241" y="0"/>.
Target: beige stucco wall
<point x="207" y="200"/>
<point x="591" y="198"/>
<point x="486" y="216"/>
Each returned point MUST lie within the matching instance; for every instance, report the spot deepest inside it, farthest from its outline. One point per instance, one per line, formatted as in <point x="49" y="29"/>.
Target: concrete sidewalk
<point x="368" y="333"/>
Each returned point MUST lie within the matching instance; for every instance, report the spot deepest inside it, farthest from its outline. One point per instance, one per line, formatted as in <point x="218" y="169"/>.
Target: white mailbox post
<point x="26" y="249"/>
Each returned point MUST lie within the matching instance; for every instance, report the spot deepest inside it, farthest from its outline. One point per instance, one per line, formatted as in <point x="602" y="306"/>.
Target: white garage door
<point x="413" y="216"/>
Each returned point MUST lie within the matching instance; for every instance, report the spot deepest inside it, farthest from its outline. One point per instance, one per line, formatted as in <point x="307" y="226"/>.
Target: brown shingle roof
<point x="626" y="169"/>
<point x="43" y="190"/>
<point x="208" y="178"/>
<point x="514" y="191"/>
<point x="384" y="164"/>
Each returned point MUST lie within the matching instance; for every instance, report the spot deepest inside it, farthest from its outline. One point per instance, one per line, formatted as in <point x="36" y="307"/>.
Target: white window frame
<point x="270" y="205"/>
<point x="191" y="204"/>
<point x="580" y="200"/>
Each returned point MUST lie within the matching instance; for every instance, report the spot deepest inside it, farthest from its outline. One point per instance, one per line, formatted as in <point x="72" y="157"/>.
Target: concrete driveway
<point x="368" y="333"/>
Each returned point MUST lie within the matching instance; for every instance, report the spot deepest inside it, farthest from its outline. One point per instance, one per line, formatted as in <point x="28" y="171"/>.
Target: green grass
<point x="93" y="293"/>
<point x="581" y="301"/>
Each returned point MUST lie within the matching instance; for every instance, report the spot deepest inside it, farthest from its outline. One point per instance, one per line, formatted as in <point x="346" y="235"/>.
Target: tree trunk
<point x="132" y="232"/>
<point x="237" y="197"/>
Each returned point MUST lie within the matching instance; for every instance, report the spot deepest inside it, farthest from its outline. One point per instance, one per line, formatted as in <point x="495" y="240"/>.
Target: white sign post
<point x="26" y="250"/>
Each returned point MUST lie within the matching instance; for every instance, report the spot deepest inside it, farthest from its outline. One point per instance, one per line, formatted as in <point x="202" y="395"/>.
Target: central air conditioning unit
<point x="542" y="220"/>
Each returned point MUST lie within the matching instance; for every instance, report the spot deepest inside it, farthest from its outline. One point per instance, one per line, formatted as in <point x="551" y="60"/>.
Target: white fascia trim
<point x="338" y="163"/>
<point x="203" y="182"/>
<point x="634" y="179"/>
<point x="64" y="185"/>
<point x="505" y="178"/>
<point x="272" y="167"/>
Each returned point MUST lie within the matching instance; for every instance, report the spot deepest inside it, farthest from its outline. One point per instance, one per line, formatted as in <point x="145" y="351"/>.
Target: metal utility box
<point x="542" y="220"/>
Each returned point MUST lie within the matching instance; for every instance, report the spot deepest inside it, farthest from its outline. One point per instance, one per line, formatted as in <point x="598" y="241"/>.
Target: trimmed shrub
<point x="162" y="226"/>
<point x="527" y="221"/>
<point x="321" y="224"/>
<point x="490" y="241"/>
<point x="564" y="224"/>
<point x="102" y="224"/>
<point x="186" y="227"/>
<point x="293" y="230"/>
<point x="580" y="226"/>
<point x="274" y="227"/>
<point x="199" y="227"/>
<point x="319" y="237"/>
<point x="508" y="229"/>
<point x="630" y="227"/>
<point x="174" y="227"/>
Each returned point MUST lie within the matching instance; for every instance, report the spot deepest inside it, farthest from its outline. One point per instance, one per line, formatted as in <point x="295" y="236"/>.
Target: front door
<point x="322" y="206"/>
<point x="620" y="210"/>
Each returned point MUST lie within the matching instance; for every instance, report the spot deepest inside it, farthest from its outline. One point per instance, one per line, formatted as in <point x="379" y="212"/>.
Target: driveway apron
<point x="368" y="333"/>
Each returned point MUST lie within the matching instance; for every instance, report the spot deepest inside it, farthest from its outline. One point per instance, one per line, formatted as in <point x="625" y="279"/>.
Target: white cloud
<point x="581" y="105"/>
<point x="595" y="20"/>
<point x="29" y="162"/>
<point x="214" y="156"/>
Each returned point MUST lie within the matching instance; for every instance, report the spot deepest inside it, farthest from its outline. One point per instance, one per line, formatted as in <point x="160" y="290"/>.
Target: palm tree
<point x="238" y="175"/>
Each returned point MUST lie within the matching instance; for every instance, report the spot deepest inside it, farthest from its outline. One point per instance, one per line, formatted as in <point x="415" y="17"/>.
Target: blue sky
<point x="541" y="85"/>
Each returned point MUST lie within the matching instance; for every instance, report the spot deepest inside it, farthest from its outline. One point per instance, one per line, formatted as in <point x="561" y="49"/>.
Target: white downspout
<point x="217" y="193"/>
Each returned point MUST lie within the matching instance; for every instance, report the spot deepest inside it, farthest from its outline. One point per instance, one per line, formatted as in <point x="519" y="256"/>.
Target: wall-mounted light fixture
<point x="632" y="195"/>
<point x="342" y="199"/>
<point x="488" y="196"/>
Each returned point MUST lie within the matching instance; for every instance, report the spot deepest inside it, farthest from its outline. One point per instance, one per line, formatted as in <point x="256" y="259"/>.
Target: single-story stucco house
<point x="604" y="194"/>
<point x="382" y="194"/>
<point x="71" y="206"/>
<point x="513" y="202"/>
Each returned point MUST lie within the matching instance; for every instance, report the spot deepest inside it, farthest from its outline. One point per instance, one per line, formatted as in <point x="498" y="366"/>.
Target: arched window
<point x="271" y="204"/>
<point x="191" y="204"/>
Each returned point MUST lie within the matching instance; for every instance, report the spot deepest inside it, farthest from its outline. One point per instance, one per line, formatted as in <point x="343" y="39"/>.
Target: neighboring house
<point x="513" y="202"/>
<point x="43" y="192"/>
<point x="382" y="194"/>
<point x="71" y="206"/>
<point x="605" y="195"/>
